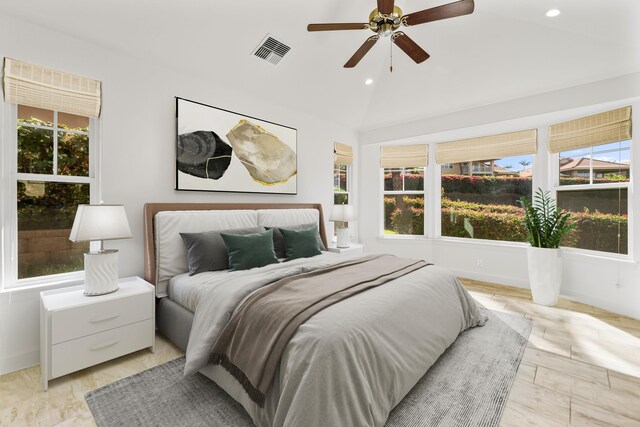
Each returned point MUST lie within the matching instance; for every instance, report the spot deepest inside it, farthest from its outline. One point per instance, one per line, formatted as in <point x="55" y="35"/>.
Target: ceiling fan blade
<point x="337" y="27"/>
<point x="451" y="10"/>
<point x="361" y="52"/>
<point x="410" y="47"/>
<point x="385" y="6"/>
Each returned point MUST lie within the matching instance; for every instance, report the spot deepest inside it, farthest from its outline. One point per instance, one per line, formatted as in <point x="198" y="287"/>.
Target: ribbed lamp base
<point x="100" y="272"/>
<point x="343" y="237"/>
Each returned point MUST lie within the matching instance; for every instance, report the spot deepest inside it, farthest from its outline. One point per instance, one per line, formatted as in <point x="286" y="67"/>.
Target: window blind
<point x="41" y="87"/>
<point x="404" y="156"/>
<point x="342" y="154"/>
<point x="598" y="129"/>
<point x="488" y="147"/>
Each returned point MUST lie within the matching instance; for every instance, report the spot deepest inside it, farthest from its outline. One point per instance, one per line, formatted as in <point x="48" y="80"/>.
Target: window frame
<point x="408" y="193"/>
<point x="554" y="169"/>
<point x="348" y="181"/>
<point x="8" y="195"/>
<point x="348" y="169"/>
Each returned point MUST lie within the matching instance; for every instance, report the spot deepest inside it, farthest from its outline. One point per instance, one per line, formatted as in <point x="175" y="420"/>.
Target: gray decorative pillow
<point x="278" y="239"/>
<point x="207" y="251"/>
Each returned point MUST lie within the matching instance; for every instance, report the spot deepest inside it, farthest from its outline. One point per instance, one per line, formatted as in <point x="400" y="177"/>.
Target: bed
<point x="349" y="364"/>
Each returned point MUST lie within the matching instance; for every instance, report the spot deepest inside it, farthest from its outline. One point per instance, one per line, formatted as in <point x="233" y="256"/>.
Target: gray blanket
<point x="252" y="343"/>
<point x="351" y="363"/>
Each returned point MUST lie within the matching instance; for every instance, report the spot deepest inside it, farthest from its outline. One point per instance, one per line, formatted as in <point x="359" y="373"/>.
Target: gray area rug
<point x="467" y="386"/>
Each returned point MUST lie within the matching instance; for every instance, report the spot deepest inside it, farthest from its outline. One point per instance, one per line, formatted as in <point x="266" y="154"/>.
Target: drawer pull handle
<point x="104" y="319"/>
<point x="101" y="346"/>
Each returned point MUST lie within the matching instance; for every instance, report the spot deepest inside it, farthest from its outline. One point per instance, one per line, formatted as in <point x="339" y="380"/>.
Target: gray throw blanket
<point x="252" y="343"/>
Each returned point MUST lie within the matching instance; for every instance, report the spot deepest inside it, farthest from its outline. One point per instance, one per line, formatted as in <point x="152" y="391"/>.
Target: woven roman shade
<point x="602" y="128"/>
<point x="342" y="154"/>
<point x="36" y="86"/>
<point x="404" y="156"/>
<point x="488" y="147"/>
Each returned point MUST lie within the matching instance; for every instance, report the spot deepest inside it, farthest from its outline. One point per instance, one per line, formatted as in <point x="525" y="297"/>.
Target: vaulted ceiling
<point x="506" y="49"/>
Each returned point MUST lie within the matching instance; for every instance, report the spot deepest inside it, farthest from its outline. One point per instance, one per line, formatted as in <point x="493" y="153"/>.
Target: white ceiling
<point x="506" y="49"/>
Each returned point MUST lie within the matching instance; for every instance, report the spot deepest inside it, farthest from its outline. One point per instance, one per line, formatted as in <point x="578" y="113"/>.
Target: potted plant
<point x="546" y="225"/>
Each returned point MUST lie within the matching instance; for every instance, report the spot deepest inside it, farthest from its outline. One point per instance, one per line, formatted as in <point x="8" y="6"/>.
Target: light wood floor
<point x="581" y="368"/>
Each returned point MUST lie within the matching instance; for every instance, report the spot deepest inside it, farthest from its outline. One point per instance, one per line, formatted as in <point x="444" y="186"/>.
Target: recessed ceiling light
<point x="368" y="82"/>
<point x="552" y="13"/>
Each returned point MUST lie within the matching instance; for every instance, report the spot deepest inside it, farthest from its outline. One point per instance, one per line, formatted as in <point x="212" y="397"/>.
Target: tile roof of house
<point x="583" y="164"/>
<point x="503" y="171"/>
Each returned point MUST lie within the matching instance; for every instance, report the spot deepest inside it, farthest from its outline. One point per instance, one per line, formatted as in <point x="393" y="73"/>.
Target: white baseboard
<point x="21" y="361"/>
<point x="626" y="310"/>
<point x="492" y="278"/>
<point x="631" y="311"/>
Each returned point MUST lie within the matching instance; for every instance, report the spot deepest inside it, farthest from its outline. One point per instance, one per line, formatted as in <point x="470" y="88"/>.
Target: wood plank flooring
<point x="581" y="368"/>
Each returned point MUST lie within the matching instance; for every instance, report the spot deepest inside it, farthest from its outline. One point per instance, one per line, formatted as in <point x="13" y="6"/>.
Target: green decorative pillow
<point x="250" y="250"/>
<point x="301" y="243"/>
<point x="278" y="238"/>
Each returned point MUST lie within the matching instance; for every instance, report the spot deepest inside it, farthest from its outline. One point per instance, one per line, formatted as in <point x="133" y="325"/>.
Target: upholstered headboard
<point x="164" y="254"/>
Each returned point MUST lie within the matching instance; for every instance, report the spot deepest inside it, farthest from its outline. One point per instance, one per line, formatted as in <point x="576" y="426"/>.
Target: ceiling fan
<point x="387" y="18"/>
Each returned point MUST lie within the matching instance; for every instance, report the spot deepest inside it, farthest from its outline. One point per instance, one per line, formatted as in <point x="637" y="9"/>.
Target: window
<point x="480" y="198"/>
<point x="601" y="164"/>
<point x="340" y="184"/>
<point x="49" y="167"/>
<point x="404" y="201"/>
<point x="342" y="161"/>
<point x="403" y="198"/>
<point x="53" y="174"/>
<point x="592" y="183"/>
<point x="482" y="181"/>
<point x="594" y="162"/>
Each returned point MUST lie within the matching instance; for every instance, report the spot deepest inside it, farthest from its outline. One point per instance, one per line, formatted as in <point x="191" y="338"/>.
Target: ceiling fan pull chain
<point x="391" y="56"/>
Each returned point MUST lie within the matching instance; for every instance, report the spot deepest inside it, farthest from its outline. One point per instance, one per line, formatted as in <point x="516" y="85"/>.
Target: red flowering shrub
<point x="493" y="220"/>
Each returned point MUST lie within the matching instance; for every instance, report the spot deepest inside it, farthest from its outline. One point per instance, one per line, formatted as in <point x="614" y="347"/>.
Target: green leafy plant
<point x="545" y="223"/>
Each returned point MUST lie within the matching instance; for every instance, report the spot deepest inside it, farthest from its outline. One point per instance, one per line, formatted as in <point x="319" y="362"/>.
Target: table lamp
<point x="341" y="215"/>
<point x="100" y="222"/>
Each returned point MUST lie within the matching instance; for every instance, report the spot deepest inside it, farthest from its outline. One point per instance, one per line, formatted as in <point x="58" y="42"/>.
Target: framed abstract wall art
<point x="219" y="150"/>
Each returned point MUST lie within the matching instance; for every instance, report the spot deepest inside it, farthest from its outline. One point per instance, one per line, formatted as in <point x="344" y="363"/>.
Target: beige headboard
<point x="151" y="209"/>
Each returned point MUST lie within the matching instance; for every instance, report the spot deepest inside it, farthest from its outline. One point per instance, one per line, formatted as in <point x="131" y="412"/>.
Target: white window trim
<point x="8" y="194"/>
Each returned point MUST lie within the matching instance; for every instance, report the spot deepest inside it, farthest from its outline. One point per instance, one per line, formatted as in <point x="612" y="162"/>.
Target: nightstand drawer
<point x="80" y="321"/>
<point x="83" y="352"/>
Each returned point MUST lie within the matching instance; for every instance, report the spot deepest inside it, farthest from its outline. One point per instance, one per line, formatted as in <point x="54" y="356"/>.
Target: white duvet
<point x="351" y="363"/>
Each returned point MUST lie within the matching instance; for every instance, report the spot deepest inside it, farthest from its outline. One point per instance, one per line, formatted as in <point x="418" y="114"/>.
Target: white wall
<point x="597" y="279"/>
<point x="138" y="150"/>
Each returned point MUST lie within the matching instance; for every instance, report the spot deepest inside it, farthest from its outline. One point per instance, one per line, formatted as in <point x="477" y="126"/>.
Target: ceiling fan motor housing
<point x="385" y="24"/>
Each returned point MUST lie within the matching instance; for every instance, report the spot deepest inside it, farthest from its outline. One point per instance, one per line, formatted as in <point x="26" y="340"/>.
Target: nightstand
<point x="78" y="331"/>
<point x="354" y="249"/>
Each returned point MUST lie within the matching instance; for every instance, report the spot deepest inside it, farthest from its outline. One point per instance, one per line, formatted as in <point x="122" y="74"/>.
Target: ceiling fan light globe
<point x="385" y="30"/>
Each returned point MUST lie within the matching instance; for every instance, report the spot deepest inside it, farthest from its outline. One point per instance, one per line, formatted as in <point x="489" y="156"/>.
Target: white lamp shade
<point x="100" y="222"/>
<point x="342" y="213"/>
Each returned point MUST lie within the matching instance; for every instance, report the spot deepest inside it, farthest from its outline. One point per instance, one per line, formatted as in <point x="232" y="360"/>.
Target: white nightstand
<point x="78" y="331"/>
<point x="353" y="249"/>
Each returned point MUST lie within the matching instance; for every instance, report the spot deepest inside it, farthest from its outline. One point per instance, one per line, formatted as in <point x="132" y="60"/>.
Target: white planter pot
<point x="545" y="274"/>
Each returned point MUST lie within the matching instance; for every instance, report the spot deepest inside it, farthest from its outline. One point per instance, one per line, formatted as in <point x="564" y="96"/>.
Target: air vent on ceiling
<point x="271" y="50"/>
